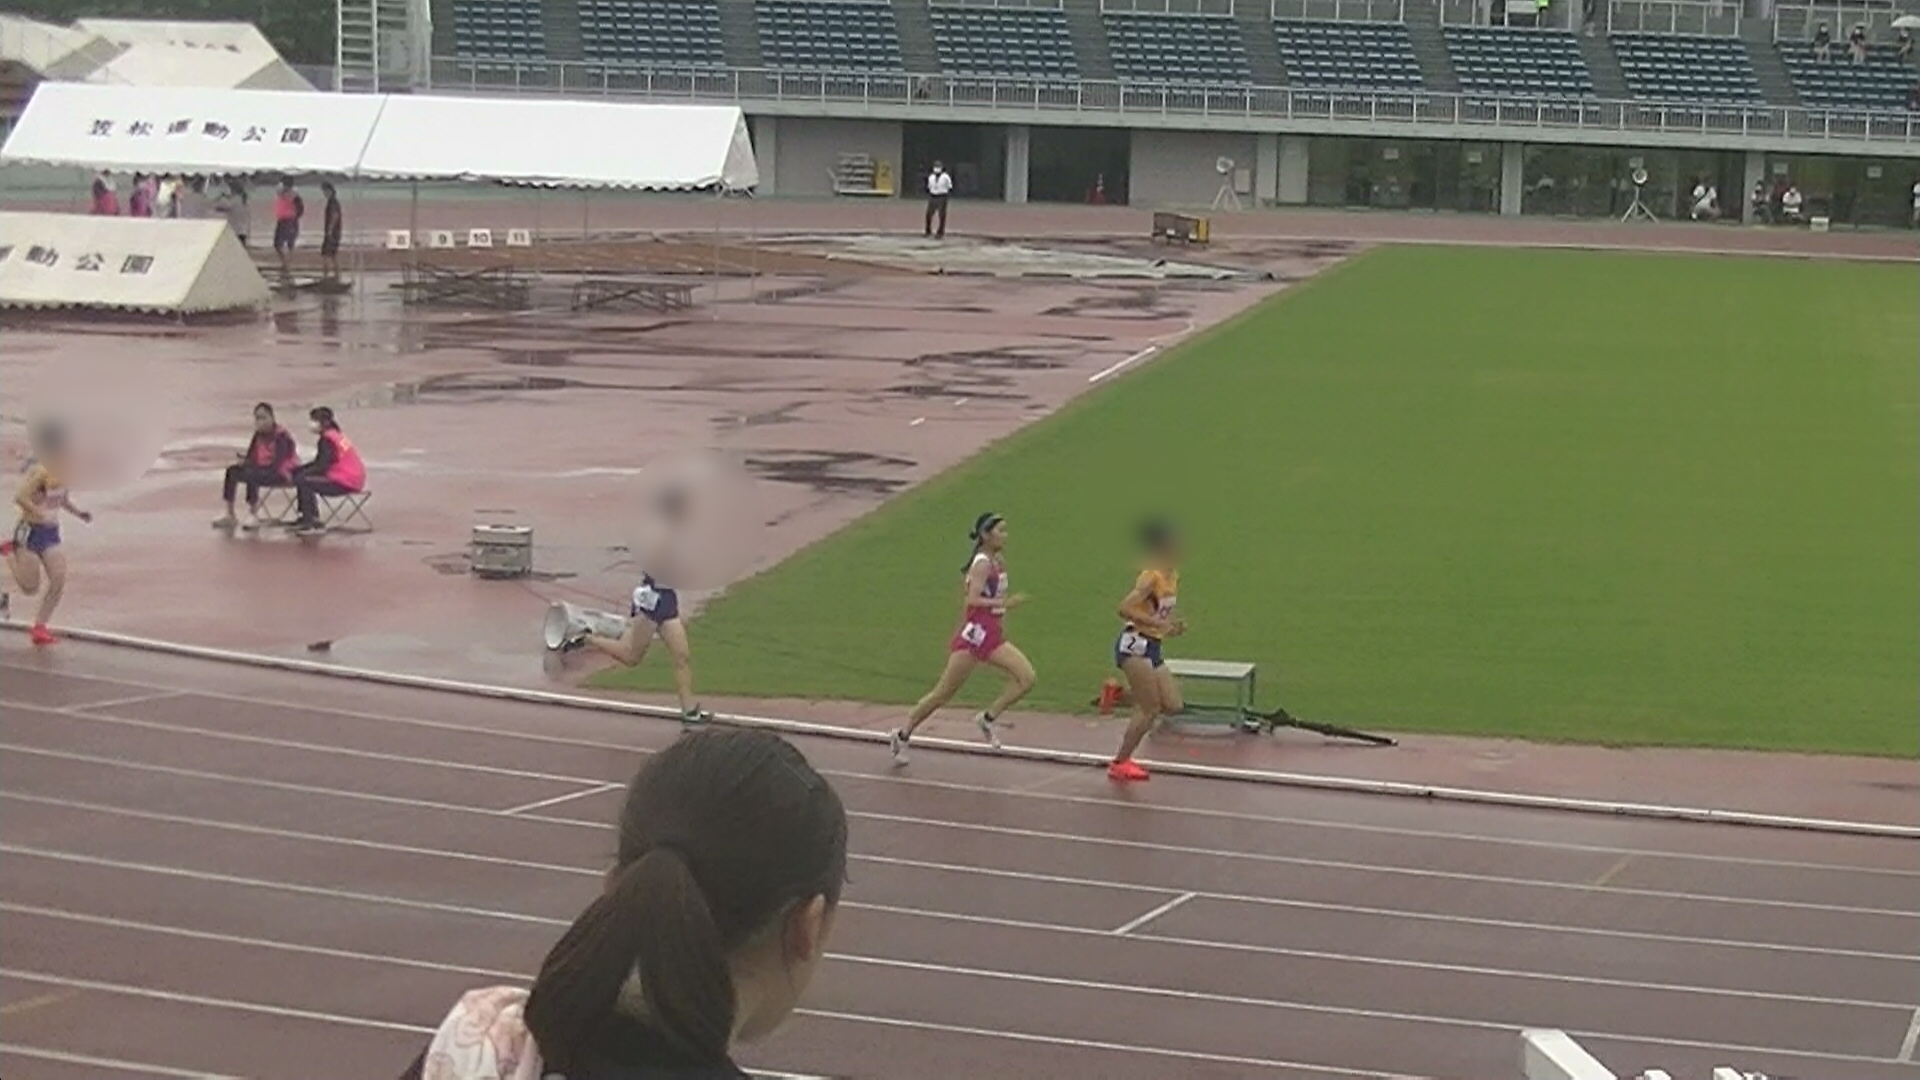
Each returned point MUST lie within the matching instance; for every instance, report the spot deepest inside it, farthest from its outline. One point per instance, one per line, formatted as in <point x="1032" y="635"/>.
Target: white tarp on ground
<point x="138" y="264"/>
<point x="562" y="142"/>
<point x="558" y="142"/>
<point x="150" y="64"/>
<point x="193" y="130"/>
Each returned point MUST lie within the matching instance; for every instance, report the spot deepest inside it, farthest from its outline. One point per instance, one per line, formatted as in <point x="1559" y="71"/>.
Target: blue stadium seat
<point x="1178" y="48"/>
<point x="1499" y="60"/>
<point x="832" y="35"/>
<point x="676" y="32"/>
<point x="1880" y="83"/>
<point x="1004" y="41"/>
<point x="1347" y="55"/>
<point x="1678" y="67"/>
<point x="498" y="30"/>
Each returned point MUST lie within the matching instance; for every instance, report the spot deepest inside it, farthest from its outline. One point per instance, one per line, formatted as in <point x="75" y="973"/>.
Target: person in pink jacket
<point x="336" y="469"/>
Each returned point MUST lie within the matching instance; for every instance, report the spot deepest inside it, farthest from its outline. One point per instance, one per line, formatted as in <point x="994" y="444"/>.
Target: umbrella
<point x="1907" y="22"/>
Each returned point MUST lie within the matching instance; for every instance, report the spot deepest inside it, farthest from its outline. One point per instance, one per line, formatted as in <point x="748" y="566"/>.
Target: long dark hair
<point x="982" y="525"/>
<point x="722" y="833"/>
<point x="322" y="415"/>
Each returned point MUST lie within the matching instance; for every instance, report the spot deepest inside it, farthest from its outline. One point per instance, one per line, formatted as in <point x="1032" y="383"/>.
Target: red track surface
<point x="207" y="868"/>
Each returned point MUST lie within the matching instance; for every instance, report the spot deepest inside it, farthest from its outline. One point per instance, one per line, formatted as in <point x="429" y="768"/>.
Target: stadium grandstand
<point x="1341" y="102"/>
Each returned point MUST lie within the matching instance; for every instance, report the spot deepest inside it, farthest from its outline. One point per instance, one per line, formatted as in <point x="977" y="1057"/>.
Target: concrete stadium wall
<point x="1176" y="167"/>
<point x="806" y="150"/>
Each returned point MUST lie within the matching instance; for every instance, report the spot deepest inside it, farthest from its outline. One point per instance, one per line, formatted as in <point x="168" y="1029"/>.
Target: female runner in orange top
<point x="1150" y="614"/>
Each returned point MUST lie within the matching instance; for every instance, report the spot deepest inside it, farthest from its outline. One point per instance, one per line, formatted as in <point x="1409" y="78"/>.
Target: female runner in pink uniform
<point x="981" y="639"/>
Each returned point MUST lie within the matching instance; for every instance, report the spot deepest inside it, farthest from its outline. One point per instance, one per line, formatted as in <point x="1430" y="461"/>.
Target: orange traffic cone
<point x="1111" y="695"/>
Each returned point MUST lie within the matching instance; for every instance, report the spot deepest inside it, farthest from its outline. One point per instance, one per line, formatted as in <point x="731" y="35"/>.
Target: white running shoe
<point x="897" y="743"/>
<point x="987" y="730"/>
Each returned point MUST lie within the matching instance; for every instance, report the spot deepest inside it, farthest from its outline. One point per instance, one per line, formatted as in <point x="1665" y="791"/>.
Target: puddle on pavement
<point x="832" y="472"/>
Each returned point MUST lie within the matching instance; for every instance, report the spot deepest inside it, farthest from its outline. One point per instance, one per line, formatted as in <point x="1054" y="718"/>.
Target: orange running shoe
<point x="1126" y="771"/>
<point x="41" y="635"/>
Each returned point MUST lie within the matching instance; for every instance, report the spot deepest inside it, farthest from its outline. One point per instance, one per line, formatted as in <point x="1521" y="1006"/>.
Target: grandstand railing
<point x="1039" y="4"/>
<point x="1796" y="22"/>
<point x="961" y="94"/>
<point x="1166" y="7"/>
<point x="1340" y="10"/>
<point x="1558" y="16"/>
<point x="1707" y="18"/>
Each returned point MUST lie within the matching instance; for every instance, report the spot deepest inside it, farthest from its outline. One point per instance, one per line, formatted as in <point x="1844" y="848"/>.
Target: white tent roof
<point x="559" y="142"/>
<point x="236" y="37"/>
<point x="192" y="130"/>
<point x="149" y="64"/>
<point x="562" y="142"/>
<point x="53" y="52"/>
<point x="125" y="263"/>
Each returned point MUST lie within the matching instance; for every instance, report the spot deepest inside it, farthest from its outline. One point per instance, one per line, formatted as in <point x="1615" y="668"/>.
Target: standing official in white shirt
<point x="939" y="186"/>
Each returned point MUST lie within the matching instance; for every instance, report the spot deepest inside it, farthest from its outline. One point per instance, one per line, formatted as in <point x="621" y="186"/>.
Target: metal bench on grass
<point x="1243" y="714"/>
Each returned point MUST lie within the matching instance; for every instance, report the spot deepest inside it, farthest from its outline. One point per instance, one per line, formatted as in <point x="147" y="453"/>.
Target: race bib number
<point x="1133" y="644"/>
<point x="645" y="598"/>
<point x="974" y="634"/>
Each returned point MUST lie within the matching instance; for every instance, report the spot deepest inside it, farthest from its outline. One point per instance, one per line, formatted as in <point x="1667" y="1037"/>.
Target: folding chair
<point x="338" y="513"/>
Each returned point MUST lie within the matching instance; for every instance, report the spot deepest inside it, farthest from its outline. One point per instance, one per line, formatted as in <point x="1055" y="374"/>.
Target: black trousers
<point x="308" y="489"/>
<point x="936" y="207"/>
<point x="254" y="477"/>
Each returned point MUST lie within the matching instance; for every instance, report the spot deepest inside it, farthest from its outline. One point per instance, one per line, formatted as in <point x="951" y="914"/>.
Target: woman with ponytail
<point x="732" y="851"/>
<point x="981" y="639"/>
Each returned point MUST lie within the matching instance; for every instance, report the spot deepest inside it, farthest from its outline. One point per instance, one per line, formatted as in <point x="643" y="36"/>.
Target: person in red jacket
<point x="268" y="462"/>
<point x="336" y="469"/>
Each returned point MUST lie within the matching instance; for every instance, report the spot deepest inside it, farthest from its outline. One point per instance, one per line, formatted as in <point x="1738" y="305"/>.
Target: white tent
<point x="193" y="130"/>
<point x="150" y="64"/>
<point x="238" y="37"/>
<point x="131" y="264"/>
<point x="557" y="142"/>
<point x="51" y="52"/>
<point x="562" y="142"/>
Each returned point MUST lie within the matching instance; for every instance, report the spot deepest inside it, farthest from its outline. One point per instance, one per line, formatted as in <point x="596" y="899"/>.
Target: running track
<point x="215" y="869"/>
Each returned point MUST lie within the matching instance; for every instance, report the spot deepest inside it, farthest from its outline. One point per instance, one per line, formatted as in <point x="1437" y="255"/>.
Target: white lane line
<point x="1132" y="989"/>
<point x="556" y="800"/>
<point x="1238" y="898"/>
<point x="939" y="916"/>
<point x="1428" y="793"/>
<point x="61" y="1057"/>
<point x="1131" y="925"/>
<point x="214" y="1002"/>
<point x="1120" y="365"/>
<point x="1025" y="834"/>
<point x="120" y="702"/>
<point x="894" y="779"/>
<point x="1106" y="886"/>
<point x="1908" y="1044"/>
<point x="1130" y="1049"/>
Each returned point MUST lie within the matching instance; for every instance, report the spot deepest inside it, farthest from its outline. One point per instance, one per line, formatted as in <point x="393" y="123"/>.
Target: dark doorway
<point x="976" y="155"/>
<point x="1071" y="164"/>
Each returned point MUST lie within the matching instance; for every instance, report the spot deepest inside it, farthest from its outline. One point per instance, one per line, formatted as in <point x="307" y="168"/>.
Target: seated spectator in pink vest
<point x="336" y="469"/>
<point x="268" y="462"/>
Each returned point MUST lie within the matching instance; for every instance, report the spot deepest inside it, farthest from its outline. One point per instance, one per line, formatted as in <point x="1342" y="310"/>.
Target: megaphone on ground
<point x="567" y="624"/>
